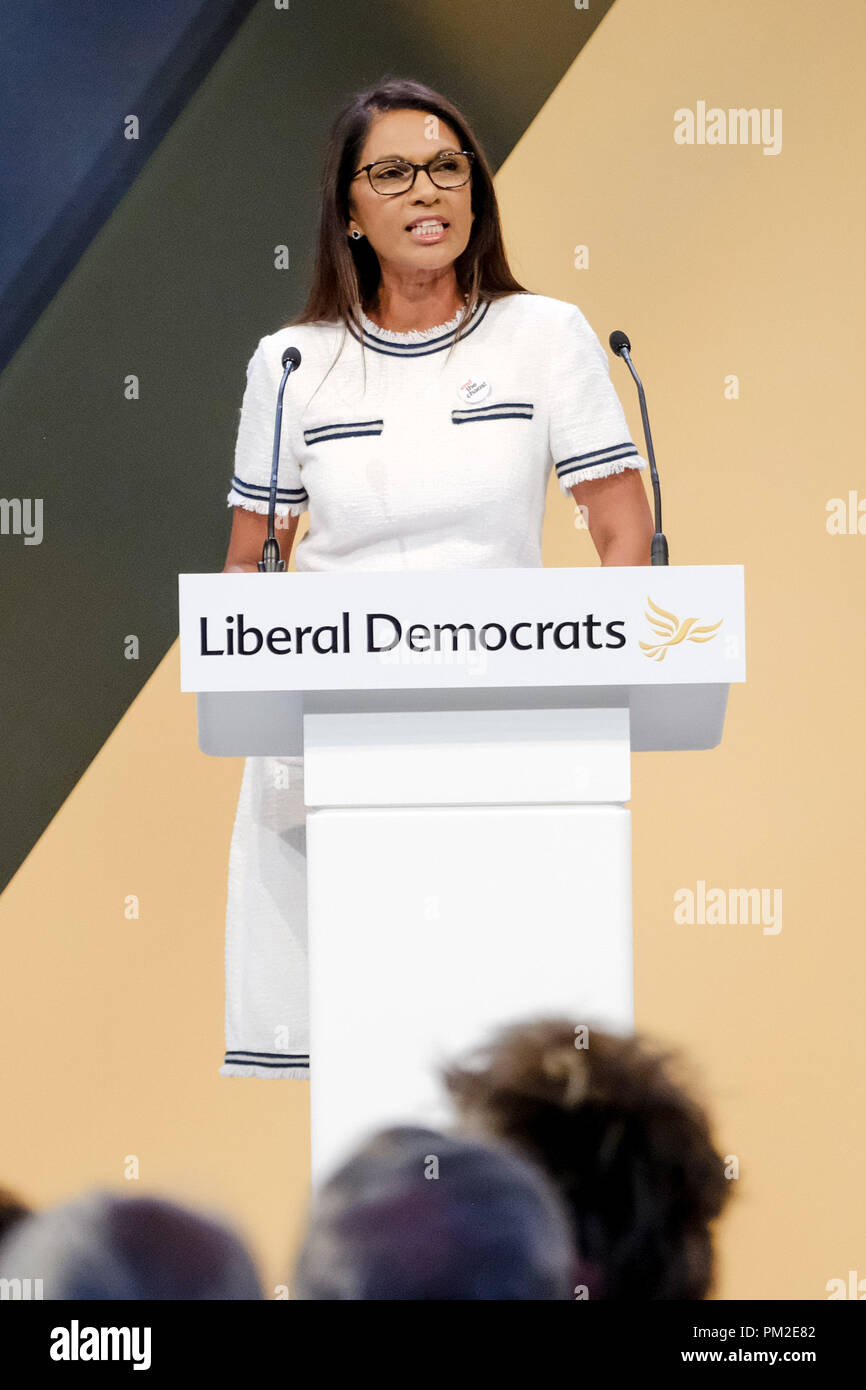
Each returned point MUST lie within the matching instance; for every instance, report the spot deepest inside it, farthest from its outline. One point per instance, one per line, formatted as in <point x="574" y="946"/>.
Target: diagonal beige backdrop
<point x="720" y="262"/>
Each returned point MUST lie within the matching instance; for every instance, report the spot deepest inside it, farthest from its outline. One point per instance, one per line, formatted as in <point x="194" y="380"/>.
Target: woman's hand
<point x="618" y="517"/>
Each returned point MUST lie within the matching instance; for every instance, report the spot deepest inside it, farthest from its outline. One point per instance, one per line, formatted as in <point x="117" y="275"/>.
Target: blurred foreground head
<point x="104" y="1246"/>
<point x="415" y="1214"/>
<point x="12" y="1210"/>
<point x="629" y="1148"/>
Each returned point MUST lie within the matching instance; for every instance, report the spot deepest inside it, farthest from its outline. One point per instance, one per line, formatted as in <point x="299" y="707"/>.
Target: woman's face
<point x="416" y="136"/>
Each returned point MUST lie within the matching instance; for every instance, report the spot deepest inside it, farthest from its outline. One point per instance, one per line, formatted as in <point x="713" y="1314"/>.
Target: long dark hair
<point x="346" y="274"/>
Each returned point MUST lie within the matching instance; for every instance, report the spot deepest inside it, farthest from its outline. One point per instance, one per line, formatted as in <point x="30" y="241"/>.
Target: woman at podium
<point x="434" y="397"/>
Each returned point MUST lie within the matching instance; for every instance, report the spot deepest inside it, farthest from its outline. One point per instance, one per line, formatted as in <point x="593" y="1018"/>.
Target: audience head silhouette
<point x="105" y="1246"/>
<point x="415" y="1214"/>
<point x="12" y="1210"/>
<point x="627" y="1145"/>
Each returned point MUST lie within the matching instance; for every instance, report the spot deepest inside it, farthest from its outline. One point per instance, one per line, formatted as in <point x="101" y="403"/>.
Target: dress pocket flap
<point x="342" y="429"/>
<point x="497" y="410"/>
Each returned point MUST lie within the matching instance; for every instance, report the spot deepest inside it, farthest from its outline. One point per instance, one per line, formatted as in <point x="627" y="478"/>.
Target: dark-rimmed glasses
<point x="449" y="169"/>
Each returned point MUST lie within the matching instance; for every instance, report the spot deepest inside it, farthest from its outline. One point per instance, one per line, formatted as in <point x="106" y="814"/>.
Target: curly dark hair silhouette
<point x="627" y="1144"/>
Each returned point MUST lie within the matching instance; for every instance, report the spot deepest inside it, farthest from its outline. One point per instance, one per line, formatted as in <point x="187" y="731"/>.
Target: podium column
<point x="465" y="869"/>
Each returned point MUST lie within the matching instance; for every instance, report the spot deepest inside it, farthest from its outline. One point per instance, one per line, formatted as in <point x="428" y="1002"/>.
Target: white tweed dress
<point x="410" y="453"/>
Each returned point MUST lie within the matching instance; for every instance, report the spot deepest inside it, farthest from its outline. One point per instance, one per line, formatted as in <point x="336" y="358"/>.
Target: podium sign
<point x="457" y="628"/>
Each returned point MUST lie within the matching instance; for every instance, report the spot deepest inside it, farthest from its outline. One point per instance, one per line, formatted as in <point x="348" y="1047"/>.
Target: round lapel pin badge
<point x="473" y="389"/>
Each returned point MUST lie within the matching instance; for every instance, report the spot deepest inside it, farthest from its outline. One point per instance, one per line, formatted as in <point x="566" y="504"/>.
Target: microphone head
<point x="292" y="355"/>
<point x="619" y="340"/>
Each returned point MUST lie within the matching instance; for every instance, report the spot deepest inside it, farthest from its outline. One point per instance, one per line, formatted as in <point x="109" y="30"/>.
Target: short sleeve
<point x="254" y="449"/>
<point x="589" y="436"/>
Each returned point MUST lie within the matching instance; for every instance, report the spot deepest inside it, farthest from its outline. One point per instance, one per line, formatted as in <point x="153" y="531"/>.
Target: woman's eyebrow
<point x="451" y="149"/>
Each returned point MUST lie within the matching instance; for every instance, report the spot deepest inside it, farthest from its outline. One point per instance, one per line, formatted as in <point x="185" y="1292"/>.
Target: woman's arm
<point x="618" y="516"/>
<point x="249" y="533"/>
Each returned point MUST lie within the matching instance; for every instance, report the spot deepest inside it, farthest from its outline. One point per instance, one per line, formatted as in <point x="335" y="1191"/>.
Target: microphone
<point x="620" y="344"/>
<point x="272" y="561"/>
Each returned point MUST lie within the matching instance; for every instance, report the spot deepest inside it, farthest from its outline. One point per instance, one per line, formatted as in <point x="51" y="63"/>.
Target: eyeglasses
<point x="451" y="169"/>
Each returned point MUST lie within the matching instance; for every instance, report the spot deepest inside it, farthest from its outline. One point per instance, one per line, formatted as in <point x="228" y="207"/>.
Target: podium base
<point x="431" y="926"/>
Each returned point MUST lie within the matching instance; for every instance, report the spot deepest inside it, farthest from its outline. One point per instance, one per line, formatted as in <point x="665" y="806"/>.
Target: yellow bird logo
<point x="669" y="627"/>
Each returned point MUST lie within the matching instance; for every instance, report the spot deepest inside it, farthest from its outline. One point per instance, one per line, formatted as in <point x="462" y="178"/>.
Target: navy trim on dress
<point x="498" y="410"/>
<point x="609" y="455"/>
<point x="258" y="491"/>
<point x="255" y="1059"/>
<point x="343" y="429"/>
<point x="427" y="345"/>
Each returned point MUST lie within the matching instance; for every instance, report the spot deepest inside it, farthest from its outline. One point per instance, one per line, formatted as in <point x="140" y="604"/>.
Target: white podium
<point x="467" y="738"/>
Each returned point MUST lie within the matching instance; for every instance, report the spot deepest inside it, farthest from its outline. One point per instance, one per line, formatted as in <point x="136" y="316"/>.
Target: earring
<point x="356" y="234"/>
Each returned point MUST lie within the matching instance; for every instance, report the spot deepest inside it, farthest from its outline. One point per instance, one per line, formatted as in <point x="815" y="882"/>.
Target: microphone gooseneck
<point x="272" y="561"/>
<point x="620" y="344"/>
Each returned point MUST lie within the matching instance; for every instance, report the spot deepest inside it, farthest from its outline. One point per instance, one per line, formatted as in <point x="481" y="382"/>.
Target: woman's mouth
<point x="430" y="229"/>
